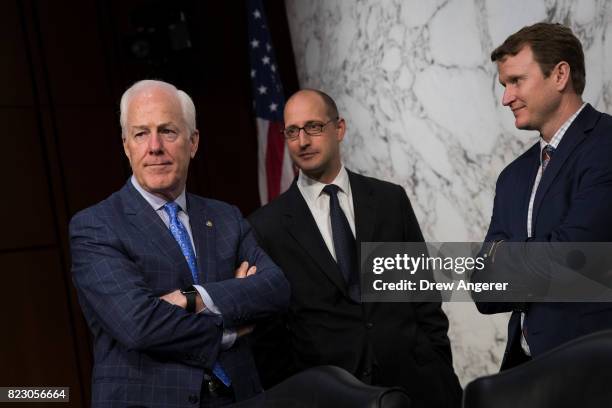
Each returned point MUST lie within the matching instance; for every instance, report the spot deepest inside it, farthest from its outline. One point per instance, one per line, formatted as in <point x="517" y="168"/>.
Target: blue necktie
<point x="344" y="243"/>
<point x="179" y="232"/>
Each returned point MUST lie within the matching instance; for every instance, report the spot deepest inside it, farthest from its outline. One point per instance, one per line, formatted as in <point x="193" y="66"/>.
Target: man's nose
<point x="508" y="96"/>
<point x="155" y="143"/>
<point x="304" y="138"/>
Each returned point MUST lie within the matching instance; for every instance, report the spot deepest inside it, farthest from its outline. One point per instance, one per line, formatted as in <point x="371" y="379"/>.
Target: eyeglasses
<point x="310" y="128"/>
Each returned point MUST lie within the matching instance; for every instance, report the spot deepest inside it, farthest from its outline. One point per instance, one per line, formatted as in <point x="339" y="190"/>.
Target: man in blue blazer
<point x="560" y="190"/>
<point x="155" y="270"/>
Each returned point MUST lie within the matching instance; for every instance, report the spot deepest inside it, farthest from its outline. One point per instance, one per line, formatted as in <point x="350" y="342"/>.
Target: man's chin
<point x="163" y="188"/>
<point x="309" y="168"/>
<point x="523" y="125"/>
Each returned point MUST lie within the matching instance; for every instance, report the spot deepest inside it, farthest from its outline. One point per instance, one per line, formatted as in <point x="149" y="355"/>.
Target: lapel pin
<point x="209" y="224"/>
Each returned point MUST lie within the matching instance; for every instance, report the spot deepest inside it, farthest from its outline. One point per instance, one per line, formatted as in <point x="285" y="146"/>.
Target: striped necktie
<point x="547" y="153"/>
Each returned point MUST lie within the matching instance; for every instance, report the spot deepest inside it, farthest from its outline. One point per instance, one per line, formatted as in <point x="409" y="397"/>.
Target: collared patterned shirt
<point x="554" y="142"/>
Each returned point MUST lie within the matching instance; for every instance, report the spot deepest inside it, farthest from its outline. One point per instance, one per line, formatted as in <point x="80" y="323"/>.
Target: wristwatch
<point x="190" y="293"/>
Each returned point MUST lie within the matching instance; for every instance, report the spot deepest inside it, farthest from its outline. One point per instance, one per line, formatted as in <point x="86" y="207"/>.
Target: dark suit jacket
<point x="147" y="351"/>
<point x="382" y="343"/>
<point x="572" y="204"/>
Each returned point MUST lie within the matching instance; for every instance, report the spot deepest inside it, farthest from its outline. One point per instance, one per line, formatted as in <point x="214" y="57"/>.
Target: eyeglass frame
<point x="297" y="135"/>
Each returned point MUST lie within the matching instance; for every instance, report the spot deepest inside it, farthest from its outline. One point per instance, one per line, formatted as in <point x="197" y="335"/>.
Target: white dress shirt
<point x="318" y="203"/>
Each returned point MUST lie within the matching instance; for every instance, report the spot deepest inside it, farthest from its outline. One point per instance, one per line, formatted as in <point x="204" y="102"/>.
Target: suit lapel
<point x="364" y="205"/>
<point x="146" y="220"/>
<point x="365" y="209"/>
<point x="528" y="171"/>
<point x="573" y="137"/>
<point x="203" y="231"/>
<point x="300" y="224"/>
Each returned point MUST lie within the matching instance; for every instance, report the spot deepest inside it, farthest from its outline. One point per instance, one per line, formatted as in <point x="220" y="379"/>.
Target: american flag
<point x="275" y="169"/>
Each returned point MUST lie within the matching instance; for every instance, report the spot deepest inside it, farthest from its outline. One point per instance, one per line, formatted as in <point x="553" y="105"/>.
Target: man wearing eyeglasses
<point x="312" y="232"/>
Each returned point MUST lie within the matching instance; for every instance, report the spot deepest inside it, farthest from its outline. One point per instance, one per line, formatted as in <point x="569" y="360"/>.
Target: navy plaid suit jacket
<point x="148" y="352"/>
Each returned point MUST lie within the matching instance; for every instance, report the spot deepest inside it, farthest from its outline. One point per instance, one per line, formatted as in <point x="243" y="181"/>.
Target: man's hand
<point x="175" y="298"/>
<point x="244" y="330"/>
<point x="243" y="270"/>
<point x="178" y="299"/>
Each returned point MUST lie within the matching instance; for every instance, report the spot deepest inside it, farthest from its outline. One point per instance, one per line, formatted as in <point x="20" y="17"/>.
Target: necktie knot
<point x="171" y="209"/>
<point x="331" y="190"/>
<point x="547" y="153"/>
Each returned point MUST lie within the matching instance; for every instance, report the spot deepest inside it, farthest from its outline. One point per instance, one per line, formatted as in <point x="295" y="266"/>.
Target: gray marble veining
<point x="421" y="99"/>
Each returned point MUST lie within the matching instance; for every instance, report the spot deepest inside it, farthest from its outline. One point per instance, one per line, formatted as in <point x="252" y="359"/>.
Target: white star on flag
<point x="275" y="171"/>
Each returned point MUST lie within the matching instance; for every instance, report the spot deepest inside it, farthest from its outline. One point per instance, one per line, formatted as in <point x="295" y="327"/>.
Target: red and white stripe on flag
<point x="275" y="169"/>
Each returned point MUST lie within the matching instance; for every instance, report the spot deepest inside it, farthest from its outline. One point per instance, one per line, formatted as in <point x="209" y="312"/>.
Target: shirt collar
<point x="157" y="202"/>
<point x="314" y="188"/>
<point x="556" y="139"/>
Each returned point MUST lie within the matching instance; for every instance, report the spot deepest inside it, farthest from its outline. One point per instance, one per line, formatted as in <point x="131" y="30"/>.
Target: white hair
<point x="187" y="106"/>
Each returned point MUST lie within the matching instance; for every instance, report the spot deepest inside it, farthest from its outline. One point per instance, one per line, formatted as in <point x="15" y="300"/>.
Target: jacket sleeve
<point x="496" y="232"/>
<point x="261" y="295"/>
<point x="115" y="297"/>
<point x="271" y="341"/>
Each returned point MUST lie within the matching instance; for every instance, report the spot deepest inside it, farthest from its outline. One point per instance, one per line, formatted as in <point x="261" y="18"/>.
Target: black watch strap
<point x="190" y="293"/>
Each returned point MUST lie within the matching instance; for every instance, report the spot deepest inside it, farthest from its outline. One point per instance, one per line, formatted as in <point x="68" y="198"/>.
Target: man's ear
<point x="195" y="141"/>
<point x="125" y="148"/>
<point x="340" y="129"/>
<point x="561" y="74"/>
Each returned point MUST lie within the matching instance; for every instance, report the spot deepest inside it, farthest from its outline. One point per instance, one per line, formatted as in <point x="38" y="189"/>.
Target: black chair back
<point x="332" y="387"/>
<point x="576" y="374"/>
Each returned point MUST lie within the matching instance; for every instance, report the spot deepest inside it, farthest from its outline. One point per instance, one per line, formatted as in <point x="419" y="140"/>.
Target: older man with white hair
<point x="169" y="282"/>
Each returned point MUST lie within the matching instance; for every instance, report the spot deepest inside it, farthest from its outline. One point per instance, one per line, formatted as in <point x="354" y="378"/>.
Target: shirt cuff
<point x="229" y="335"/>
<point x="209" y="305"/>
<point x="228" y="338"/>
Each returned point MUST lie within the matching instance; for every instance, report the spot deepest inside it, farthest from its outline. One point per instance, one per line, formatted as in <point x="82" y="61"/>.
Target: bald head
<point x="317" y="97"/>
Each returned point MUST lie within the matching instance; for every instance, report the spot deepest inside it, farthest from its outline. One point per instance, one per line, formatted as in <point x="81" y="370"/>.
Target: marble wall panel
<point x="421" y="99"/>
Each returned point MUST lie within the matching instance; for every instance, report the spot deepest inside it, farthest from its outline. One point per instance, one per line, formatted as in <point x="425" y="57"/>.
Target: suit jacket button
<point x="193" y="399"/>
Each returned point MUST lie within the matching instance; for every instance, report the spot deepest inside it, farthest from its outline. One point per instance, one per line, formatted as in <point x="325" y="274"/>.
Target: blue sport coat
<point x="148" y="352"/>
<point x="572" y="204"/>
